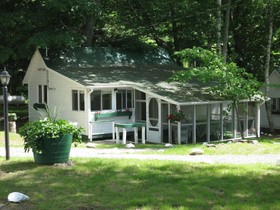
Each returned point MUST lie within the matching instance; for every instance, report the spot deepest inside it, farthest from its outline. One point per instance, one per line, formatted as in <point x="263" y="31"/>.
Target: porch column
<point x="89" y="115"/>
<point x="169" y="126"/>
<point x="234" y="122"/>
<point x="208" y="122"/>
<point x="221" y="122"/>
<point x="179" y="128"/>
<point x="257" y="117"/>
<point x="245" y="123"/>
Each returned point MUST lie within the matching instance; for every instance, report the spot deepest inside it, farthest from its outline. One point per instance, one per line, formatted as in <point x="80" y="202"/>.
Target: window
<point x="275" y="105"/>
<point x="42" y="94"/>
<point x="78" y="100"/>
<point x="95" y="98"/>
<point x="101" y="100"/>
<point x="124" y="99"/>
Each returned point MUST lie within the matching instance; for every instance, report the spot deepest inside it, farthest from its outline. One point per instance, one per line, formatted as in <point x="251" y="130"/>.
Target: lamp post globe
<point x="5" y="78"/>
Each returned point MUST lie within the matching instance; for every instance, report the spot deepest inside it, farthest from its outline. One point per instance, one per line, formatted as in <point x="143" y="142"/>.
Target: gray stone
<point x="91" y="145"/>
<point x="130" y="145"/>
<point x="168" y="145"/>
<point x="210" y="145"/>
<point x="17" y="197"/>
<point x="196" y="151"/>
<point x="69" y="163"/>
<point x="254" y="141"/>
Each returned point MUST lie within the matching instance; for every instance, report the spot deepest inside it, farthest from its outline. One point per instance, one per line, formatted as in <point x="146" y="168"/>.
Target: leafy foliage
<point x="176" y="116"/>
<point x="35" y="132"/>
<point x="227" y="79"/>
<point x="174" y="25"/>
<point x="51" y="127"/>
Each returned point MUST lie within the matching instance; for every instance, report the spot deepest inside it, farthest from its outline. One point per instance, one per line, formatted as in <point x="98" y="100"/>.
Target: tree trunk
<point x="219" y="27"/>
<point x="174" y="28"/>
<point x="225" y="42"/>
<point x="88" y="31"/>
<point x="267" y="67"/>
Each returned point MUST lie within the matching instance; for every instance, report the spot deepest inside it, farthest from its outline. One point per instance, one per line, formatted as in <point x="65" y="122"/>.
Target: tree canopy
<point x="134" y="24"/>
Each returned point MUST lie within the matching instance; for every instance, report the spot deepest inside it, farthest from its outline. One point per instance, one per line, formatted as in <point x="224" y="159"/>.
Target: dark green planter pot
<point x="54" y="150"/>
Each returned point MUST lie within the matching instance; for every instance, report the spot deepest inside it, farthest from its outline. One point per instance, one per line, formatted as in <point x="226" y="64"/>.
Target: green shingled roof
<point x="149" y="71"/>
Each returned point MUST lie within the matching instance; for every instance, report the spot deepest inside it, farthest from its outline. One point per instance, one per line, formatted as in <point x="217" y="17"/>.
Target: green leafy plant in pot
<point x="50" y="138"/>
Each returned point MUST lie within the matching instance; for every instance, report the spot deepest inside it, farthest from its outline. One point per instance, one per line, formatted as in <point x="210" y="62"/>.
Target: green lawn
<point x="266" y="145"/>
<point x="136" y="184"/>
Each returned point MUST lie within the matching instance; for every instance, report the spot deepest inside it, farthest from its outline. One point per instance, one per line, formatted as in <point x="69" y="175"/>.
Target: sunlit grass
<point x="266" y="145"/>
<point x="14" y="139"/>
<point x="136" y="184"/>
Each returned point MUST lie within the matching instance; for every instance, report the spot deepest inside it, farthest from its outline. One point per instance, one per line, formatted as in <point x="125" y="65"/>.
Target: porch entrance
<point x="153" y="120"/>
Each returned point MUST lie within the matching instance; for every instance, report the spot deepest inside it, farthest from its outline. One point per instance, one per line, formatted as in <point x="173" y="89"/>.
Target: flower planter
<point x="54" y="150"/>
<point x="112" y="114"/>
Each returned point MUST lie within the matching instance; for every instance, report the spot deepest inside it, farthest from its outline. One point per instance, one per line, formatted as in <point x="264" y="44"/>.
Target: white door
<point x="153" y="120"/>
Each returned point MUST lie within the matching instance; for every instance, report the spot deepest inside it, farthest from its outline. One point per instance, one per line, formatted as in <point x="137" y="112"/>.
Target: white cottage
<point x="274" y="95"/>
<point x="98" y="86"/>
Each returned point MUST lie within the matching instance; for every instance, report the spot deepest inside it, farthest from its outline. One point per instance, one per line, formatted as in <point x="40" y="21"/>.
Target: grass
<point x="266" y="145"/>
<point x="136" y="184"/>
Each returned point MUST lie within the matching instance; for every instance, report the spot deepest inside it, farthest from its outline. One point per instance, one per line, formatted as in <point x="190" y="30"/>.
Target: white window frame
<point x="125" y="92"/>
<point x="103" y="92"/>
<point x="42" y="94"/>
<point x="80" y="107"/>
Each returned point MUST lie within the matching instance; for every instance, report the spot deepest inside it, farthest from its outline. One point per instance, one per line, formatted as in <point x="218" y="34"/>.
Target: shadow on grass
<point x="134" y="184"/>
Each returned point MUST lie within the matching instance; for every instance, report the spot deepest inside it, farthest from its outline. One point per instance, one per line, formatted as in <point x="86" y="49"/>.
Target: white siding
<point x="59" y="92"/>
<point x="104" y="126"/>
<point x="274" y="78"/>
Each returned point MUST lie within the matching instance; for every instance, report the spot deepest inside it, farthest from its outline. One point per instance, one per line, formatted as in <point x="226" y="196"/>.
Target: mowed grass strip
<point x="135" y="184"/>
<point x="266" y="145"/>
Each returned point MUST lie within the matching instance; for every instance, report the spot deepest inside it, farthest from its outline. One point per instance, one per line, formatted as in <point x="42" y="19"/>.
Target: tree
<point x="226" y="29"/>
<point x="230" y="81"/>
<point x="219" y="27"/>
<point x="267" y="66"/>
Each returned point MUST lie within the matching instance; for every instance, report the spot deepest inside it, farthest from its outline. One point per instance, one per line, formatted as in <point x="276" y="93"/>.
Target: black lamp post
<point x="5" y="79"/>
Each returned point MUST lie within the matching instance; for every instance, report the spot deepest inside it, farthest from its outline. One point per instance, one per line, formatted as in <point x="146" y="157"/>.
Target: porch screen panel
<point x="227" y="121"/>
<point x="124" y="99"/>
<point x="201" y="123"/>
<point x="95" y="99"/>
<point x="120" y="99"/>
<point x="164" y="114"/>
<point x="106" y="100"/>
<point x="251" y="119"/>
<point x="140" y="103"/>
<point x="140" y="111"/>
<point x="187" y="124"/>
<point x="215" y="122"/>
<point x="129" y="99"/>
<point x="153" y="112"/>
<point x="240" y="113"/>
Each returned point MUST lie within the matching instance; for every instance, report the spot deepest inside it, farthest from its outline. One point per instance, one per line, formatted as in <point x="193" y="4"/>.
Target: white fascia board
<point x="99" y="87"/>
<point x="157" y="96"/>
